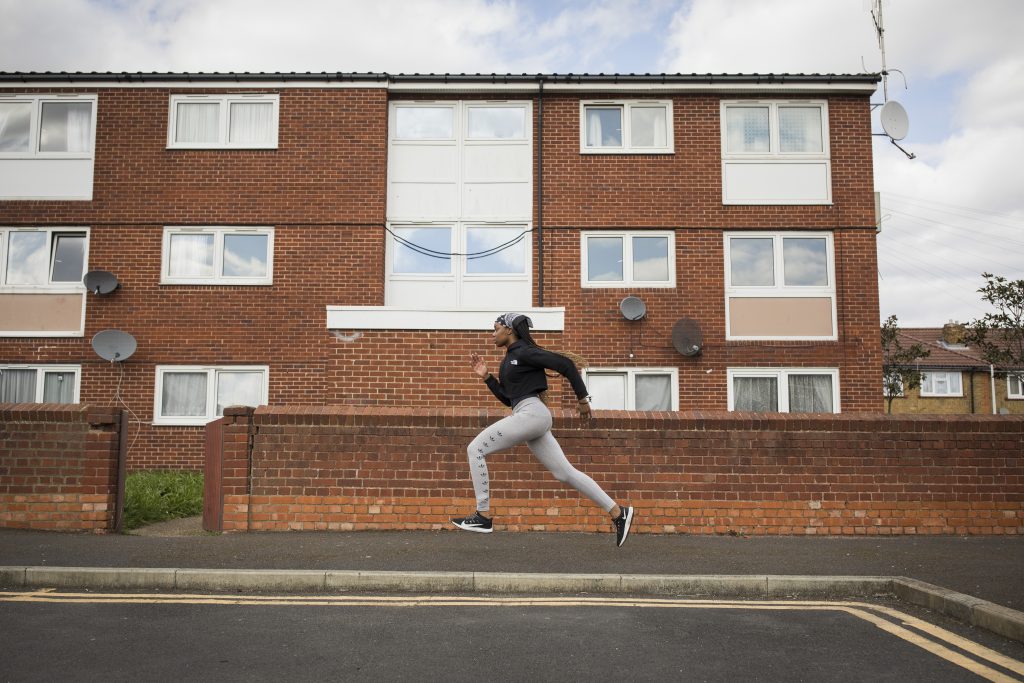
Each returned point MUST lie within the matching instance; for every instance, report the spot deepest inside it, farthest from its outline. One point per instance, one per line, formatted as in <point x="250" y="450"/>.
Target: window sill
<point x="628" y="152"/>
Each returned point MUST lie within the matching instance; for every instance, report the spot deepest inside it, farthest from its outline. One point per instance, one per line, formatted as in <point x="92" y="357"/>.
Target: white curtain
<point x="810" y="394"/>
<point x="197" y="122"/>
<point x="17" y="386"/>
<point x="251" y="122"/>
<point x="79" y="127"/>
<point x="59" y="387"/>
<point x="757" y="394"/>
<point x="191" y="256"/>
<point x="184" y="394"/>
<point x="647" y="127"/>
<point x="654" y="392"/>
<point x="593" y="128"/>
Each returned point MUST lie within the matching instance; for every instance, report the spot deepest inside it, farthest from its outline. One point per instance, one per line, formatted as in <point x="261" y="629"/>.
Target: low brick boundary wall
<point x="349" y="468"/>
<point x="58" y="466"/>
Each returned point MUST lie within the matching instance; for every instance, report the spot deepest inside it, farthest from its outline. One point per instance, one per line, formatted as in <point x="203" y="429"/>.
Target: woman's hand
<point x="584" y="407"/>
<point x="479" y="366"/>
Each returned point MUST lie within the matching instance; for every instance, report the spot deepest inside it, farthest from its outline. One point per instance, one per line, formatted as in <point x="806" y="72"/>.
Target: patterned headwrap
<point x="510" y="319"/>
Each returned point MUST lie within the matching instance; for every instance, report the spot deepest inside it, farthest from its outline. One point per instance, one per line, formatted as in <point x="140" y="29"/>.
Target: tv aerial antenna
<point x="895" y="121"/>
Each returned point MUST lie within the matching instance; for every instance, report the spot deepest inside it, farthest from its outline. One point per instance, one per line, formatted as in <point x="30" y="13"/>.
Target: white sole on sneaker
<point x="470" y="527"/>
<point x="629" y="522"/>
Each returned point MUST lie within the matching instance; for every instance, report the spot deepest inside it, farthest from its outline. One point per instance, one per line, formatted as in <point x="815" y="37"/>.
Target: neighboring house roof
<point x="941" y="357"/>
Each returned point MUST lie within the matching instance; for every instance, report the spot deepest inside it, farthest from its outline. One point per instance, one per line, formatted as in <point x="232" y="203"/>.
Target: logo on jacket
<point x="513" y="362"/>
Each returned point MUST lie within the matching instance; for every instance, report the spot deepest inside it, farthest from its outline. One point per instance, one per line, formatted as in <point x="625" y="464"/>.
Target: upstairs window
<point x="48" y="258"/>
<point x="774" y="129"/>
<point x="628" y="259"/>
<point x="223" y="121"/>
<point x="626" y="127"/>
<point x="47" y="126"/>
<point x="220" y="256"/>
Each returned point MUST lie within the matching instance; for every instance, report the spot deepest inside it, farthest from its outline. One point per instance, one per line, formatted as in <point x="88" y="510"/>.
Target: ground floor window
<point x="782" y="390"/>
<point x="941" y="384"/>
<point x="191" y="395"/>
<point x="1015" y="385"/>
<point x="39" y="383"/>
<point x="633" y="388"/>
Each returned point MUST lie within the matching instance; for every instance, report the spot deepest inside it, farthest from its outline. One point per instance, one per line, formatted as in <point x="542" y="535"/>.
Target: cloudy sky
<point x="950" y="214"/>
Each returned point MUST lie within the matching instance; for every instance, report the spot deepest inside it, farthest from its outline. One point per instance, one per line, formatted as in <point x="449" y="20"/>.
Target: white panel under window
<point x="607" y="390"/>
<point x="15" y="126"/>
<point x="424" y="123"/>
<point x="197" y="123"/>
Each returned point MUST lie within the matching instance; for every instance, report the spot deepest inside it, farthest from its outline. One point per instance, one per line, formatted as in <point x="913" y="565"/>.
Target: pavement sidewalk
<point x="990" y="568"/>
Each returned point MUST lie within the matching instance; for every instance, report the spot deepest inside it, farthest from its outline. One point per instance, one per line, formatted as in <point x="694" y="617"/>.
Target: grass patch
<point x="158" y="496"/>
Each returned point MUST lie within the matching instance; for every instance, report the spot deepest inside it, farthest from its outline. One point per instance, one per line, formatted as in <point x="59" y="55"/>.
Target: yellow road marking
<point x="860" y="610"/>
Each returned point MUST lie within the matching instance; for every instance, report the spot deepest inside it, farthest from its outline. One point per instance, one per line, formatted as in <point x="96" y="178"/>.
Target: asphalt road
<point x="511" y="642"/>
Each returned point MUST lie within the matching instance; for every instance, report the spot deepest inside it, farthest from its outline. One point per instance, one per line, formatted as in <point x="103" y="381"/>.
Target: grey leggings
<point x="530" y="423"/>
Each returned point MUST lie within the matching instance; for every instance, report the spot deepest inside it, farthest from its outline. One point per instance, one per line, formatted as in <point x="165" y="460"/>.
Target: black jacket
<point x="522" y="373"/>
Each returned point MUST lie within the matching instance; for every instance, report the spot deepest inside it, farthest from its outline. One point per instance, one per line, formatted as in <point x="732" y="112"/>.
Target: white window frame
<point x="631" y="374"/>
<point x="948" y="373"/>
<point x="225" y="101"/>
<point x="212" y="373"/>
<point x="627" y="260"/>
<point x="218" y="278"/>
<point x="41" y="371"/>
<point x="35" y="126"/>
<point x="783" y="375"/>
<point x="50" y="286"/>
<point x="627" y="147"/>
<point x="780" y="289"/>
<point x="1015" y="395"/>
<point x="774" y="152"/>
<point x="459" y="275"/>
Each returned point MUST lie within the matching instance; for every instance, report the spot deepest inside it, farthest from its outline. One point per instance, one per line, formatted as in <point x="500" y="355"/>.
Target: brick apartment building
<point x="298" y="239"/>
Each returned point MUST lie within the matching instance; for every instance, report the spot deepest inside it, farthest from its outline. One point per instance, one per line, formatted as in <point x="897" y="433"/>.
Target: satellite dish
<point x="895" y="122"/>
<point x="100" y="282"/>
<point x="633" y="308"/>
<point x="687" y="337"/>
<point x="113" y="345"/>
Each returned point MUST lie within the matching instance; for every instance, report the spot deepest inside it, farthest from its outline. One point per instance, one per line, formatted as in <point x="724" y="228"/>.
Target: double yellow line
<point x="927" y="636"/>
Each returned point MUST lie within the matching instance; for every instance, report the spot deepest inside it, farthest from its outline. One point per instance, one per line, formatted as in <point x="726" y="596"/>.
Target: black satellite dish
<point x="113" y="345"/>
<point x="100" y="282"/>
<point x="633" y="308"/>
<point x="687" y="337"/>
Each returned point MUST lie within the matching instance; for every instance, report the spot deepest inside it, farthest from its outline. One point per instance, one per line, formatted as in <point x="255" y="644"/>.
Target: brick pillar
<point x="236" y="458"/>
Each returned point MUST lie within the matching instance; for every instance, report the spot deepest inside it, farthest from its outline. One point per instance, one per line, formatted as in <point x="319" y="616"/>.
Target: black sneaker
<point x="622" y="524"/>
<point x="475" y="522"/>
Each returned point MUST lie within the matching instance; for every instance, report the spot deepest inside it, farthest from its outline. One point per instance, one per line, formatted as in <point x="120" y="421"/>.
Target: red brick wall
<point x="324" y="191"/>
<point x="58" y="466"/>
<point x="390" y="468"/>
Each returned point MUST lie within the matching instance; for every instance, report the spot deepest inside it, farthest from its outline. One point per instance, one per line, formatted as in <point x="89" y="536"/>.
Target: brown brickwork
<point x="58" y="466"/>
<point x="324" y="192"/>
<point x="350" y="468"/>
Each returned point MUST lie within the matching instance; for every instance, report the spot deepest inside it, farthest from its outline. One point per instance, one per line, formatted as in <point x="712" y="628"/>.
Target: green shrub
<point x="158" y="496"/>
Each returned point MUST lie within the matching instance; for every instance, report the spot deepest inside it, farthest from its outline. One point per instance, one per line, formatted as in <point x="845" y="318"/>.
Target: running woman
<point x="521" y="382"/>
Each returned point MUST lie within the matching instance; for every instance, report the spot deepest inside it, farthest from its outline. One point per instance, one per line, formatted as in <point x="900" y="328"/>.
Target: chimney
<point x="953" y="332"/>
